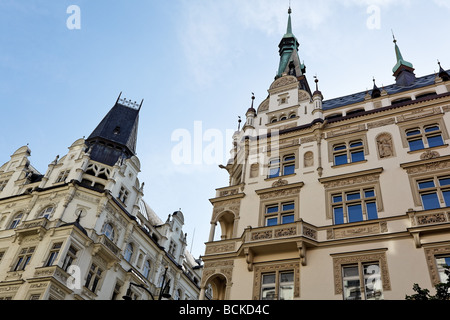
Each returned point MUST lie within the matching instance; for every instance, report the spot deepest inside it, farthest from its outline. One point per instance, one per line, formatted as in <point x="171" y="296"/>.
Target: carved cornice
<point x="352" y="178"/>
<point x="280" y="189"/>
<point x="427" y="165"/>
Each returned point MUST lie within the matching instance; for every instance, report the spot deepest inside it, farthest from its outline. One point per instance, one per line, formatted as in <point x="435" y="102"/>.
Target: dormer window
<point x="123" y="195"/>
<point x="46" y="213"/>
<point x="116" y="130"/>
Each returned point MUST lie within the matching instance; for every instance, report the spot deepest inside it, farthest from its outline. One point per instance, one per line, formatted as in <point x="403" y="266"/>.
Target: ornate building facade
<point x="82" y="230"/>
<point x="347" y="198"/>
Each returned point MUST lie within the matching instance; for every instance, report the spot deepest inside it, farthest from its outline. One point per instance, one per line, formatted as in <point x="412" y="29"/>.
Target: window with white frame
<point x="442" y="262"/>
<point x="23" y="259"/>
<point x="128" y="252"/>
<point x="277" y="286"/>
<point x="422" y="137"/>
<point x="348" y="152"/>
<point x="70" y="257"/>
<point x="146" y="269"/>
<point x="283" y="167"/>
<point x="53" y="254"/>
<point x="15" y="221"/>
<point x="434" y="192"/>
<point x="365" y="277"/>
<point x="354" y="206"/>
<point x="123" y="195"/>
<point x="279" y="213"/>
<point x="94" y="277"/>
<point x="46" y="212"/>
<point x="108" y="231"/>
<point x="361" y="275"/>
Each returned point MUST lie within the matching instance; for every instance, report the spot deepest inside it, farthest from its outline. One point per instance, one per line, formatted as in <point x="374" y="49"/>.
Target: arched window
<point x="128" y="252"/>
<point x="15" y="221"/>
<point x="146" y="269"/>
<point x="108" y="231"/>
<point x="46" y="213"/>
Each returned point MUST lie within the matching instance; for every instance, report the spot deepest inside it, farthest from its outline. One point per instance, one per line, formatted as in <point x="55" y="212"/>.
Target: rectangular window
<point x="432" y="190"/>
<point x="62" y="176"/>
<point x="123" y="195"/>
<point x="53" y="254"/>
<point x="268" y="286"/>
<point x="441" y="262"/>
<point x="431" y="134"/>
<point x="280" y="213"/>
<point x="274" y="168"/>
<point x="369" y="274"/>
<point x="288" y="165"/>
<point x="3" y="184"/>
<point x="69" y="259"/>
<point x="351" y="152"/>
<point x="278" y="286"/>
<point x="354" y="206"/>
<point x="23" y="259"/>
<point x="93" y="278"/>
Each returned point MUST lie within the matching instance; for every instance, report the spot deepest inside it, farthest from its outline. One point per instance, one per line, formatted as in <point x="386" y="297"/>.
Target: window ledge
<point x="280" y="177"/>
<point x="426" y="149"/>
<point x="348" y="164"/>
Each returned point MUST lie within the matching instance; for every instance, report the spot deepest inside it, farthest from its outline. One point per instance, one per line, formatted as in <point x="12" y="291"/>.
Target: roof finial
<point x="393" y="36"/>
<point x="239" y="123"/>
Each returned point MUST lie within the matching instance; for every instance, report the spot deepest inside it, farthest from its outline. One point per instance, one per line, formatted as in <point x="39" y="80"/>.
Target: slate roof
<point x="391" y="89"/>
<point x="116" y="135"/>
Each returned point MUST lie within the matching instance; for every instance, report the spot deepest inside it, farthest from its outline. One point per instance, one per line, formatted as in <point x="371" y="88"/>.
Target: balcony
<point x="32" y="227"/>
<point x="50" y="272"/>
<point x="107" y="249"/>
<point x="428" y="222"/>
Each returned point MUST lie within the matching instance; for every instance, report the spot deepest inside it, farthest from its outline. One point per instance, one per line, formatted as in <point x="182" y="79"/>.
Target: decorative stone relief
<point x="429" y="155"/>
<point x="385" y="145"/>
<point x="308" y="159"/>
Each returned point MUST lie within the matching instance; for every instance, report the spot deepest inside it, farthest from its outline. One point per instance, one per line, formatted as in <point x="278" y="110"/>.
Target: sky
<point x="195" y="63"/>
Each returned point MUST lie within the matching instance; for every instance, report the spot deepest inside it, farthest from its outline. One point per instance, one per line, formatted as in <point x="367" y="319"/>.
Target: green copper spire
<point x="400" y="60"/>
<point x="289" y="26"/>
<point x="289" y="59"/>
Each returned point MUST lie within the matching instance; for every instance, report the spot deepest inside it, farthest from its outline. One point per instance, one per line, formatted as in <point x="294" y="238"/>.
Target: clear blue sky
<point x="190" y="61"/>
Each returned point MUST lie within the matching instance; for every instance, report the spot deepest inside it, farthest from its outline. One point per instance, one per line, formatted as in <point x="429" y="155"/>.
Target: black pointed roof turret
<point x="442" y="73"/>
<point x="116" y="135"/>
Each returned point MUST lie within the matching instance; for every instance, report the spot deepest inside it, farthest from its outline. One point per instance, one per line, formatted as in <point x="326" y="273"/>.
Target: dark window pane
<point x="287" y="219"/>
<point x="426" y="184"/>
<point x="415" y="144"/>
<point x="272" y="222"/>
<point x="272" y="209"/>
<point x="357" y="156"/>
<point x="435" y="141"/>
<point x="372" y="213"/>
<point x="338" y="215"/>
<point x="430" y="201"/>
<point x="446" y="195"/>
<point x="353" y="196"/>
<point x="288" y="206"/>
<point x="412" y="132"/>
<point x="289" y="170"/>
<point x="355" y="213"/>
<point x="340" y="159"/>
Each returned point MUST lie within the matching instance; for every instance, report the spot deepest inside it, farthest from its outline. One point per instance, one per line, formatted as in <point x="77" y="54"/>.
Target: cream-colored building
<point x="347" y="198"/>
<point x="83" y="231"/>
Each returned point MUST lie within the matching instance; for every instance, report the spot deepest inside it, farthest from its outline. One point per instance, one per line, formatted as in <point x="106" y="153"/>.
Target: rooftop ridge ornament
<point x="129" y="103"/>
